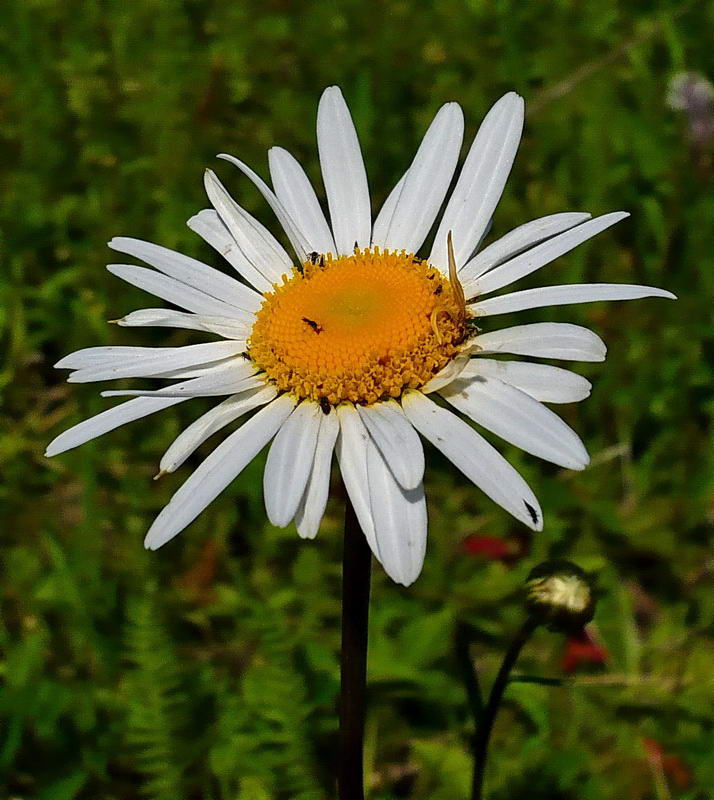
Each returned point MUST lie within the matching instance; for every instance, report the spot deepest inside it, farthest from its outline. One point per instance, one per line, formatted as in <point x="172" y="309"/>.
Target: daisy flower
<point x="346" y="347"/>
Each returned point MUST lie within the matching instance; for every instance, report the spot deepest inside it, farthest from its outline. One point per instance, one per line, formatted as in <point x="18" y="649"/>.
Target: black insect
<point x="325" y="406"/>
<point x="532" y="512"/>
<point x="316" y="258"/>
<point x="314" y="325"/>
<point x="439" y="289"/>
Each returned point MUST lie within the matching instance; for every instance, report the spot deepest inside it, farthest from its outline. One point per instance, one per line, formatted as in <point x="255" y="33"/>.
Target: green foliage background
<point x="208" y="670"/>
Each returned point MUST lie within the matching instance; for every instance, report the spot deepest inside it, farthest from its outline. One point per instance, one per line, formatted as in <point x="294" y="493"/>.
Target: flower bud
<point x="560" y="595"/>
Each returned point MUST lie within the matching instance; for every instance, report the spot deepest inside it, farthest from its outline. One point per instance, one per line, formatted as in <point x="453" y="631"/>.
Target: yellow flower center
<point x="361" y="328"/>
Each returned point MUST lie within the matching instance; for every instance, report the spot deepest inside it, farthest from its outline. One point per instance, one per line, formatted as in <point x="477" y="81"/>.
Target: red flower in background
<point x="582" y="649"/>
<point x="670" y="764"/>
<point x="490" y="547"/>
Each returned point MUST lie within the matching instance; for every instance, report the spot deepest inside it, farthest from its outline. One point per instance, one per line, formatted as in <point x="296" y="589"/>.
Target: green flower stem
<point x="484" y="721"/>
<point x="356" y="573"/>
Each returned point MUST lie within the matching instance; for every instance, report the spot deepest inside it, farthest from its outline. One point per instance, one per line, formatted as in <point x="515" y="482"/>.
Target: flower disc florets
<point x="361" y="328"/>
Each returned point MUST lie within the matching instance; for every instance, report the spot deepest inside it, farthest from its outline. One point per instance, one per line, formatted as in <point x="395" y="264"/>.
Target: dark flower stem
<point x="484" y="721"/>
<point x="356" y="572"/>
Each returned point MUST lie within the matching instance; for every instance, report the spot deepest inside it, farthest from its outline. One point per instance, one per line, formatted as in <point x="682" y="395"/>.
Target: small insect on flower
<point x="343" y="342"/>
<point x="316" y="258"/>
<point x="314" y="325"/>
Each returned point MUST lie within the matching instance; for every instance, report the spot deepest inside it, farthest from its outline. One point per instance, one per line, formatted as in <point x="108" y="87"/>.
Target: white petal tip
<point x="405" y="581"/>
<point x="119" y="242"/>
<point x="307" y="534"/>
<point x="512" y="99"/>
<point x="277" y="521"/>
<point x="154" y="542"/>
<point x="331" y="90"/>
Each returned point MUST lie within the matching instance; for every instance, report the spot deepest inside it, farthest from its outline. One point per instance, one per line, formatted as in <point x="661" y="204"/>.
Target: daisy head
<point x="359" y="343"/>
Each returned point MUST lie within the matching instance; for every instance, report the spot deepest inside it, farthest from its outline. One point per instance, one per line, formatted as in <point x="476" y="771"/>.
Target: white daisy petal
<point x="564" y="295"/>
<point x="97" y="356"/>
<point x="105" y="363"/>
<point x="189" y="271"/>
<point x="161" y="318"/>
<point x="384" y="218"/>
<point x="519" y="419"/>
<point x="542" y="254"/>
<point x="351" y="452"/>
<point x="212" y="421"/>
<point x="290" y="459"/>
<point x="314" y="500"/>
<point x="427" y="181"/>
<point x="108" y="420"/>
<point x="227" y="327"/>
<point x="297" y="239"/>
<point x="209" y="368"/>
<point x="541" y="381"/>
<point x="228" y="381"/>
<point x="518" y="240"/>
<point x="121" y="354"/>
<point x="396" y="440"/>
<point x="448" y="374"/>
<point x="171" y="290"/>
<point x="256" y="242"/>
<point x="218" y="470"/>
<point x="400" y="520"/>
<point x="475" y="457"/>
<point x="295" y="192"/>
<point x="481" y="182"/>
<point x="209" y="226"/>
<point x="543" y="340"/>
<point x="343" y="173"/>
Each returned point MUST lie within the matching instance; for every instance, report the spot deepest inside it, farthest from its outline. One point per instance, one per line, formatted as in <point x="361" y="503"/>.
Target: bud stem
<point x="484" y="722"/>
<point x="356" y="573"/>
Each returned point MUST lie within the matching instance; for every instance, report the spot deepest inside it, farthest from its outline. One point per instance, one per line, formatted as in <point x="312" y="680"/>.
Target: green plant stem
<point x="356" y="573"/>
<point x="484" y="722"/>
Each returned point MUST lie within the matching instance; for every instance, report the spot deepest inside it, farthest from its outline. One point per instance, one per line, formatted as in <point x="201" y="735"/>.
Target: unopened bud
<point x="560" y="594"/>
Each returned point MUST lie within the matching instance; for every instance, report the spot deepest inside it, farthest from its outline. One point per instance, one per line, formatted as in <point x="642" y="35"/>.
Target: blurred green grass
<point x="208" y="670"/>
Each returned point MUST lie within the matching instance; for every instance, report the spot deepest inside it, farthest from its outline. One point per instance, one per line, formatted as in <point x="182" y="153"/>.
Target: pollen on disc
<point x="362" y="327"/>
